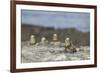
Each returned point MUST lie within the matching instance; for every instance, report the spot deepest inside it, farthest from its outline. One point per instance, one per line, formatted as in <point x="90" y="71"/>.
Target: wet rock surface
<point x="41" y="53"/>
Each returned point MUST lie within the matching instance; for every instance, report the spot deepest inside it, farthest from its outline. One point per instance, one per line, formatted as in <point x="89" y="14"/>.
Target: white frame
<point x="51" y="64"/>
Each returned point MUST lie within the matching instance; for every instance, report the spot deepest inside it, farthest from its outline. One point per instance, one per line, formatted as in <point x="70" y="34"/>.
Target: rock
<point x="55" y="37"/>
<point x="44" y="41"/>
<point x="32" y="40"/>
<point x="67" y="42"/>
<point x="77" y="49"/>
<point x="69" y="47"/>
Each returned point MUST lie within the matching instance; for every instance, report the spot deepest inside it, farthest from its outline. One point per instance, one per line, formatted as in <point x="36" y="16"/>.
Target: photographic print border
<point x="13" y="35"/>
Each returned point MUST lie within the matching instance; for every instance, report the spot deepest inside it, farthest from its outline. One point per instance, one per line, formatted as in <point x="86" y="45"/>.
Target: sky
<point x="57" y="19"/>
